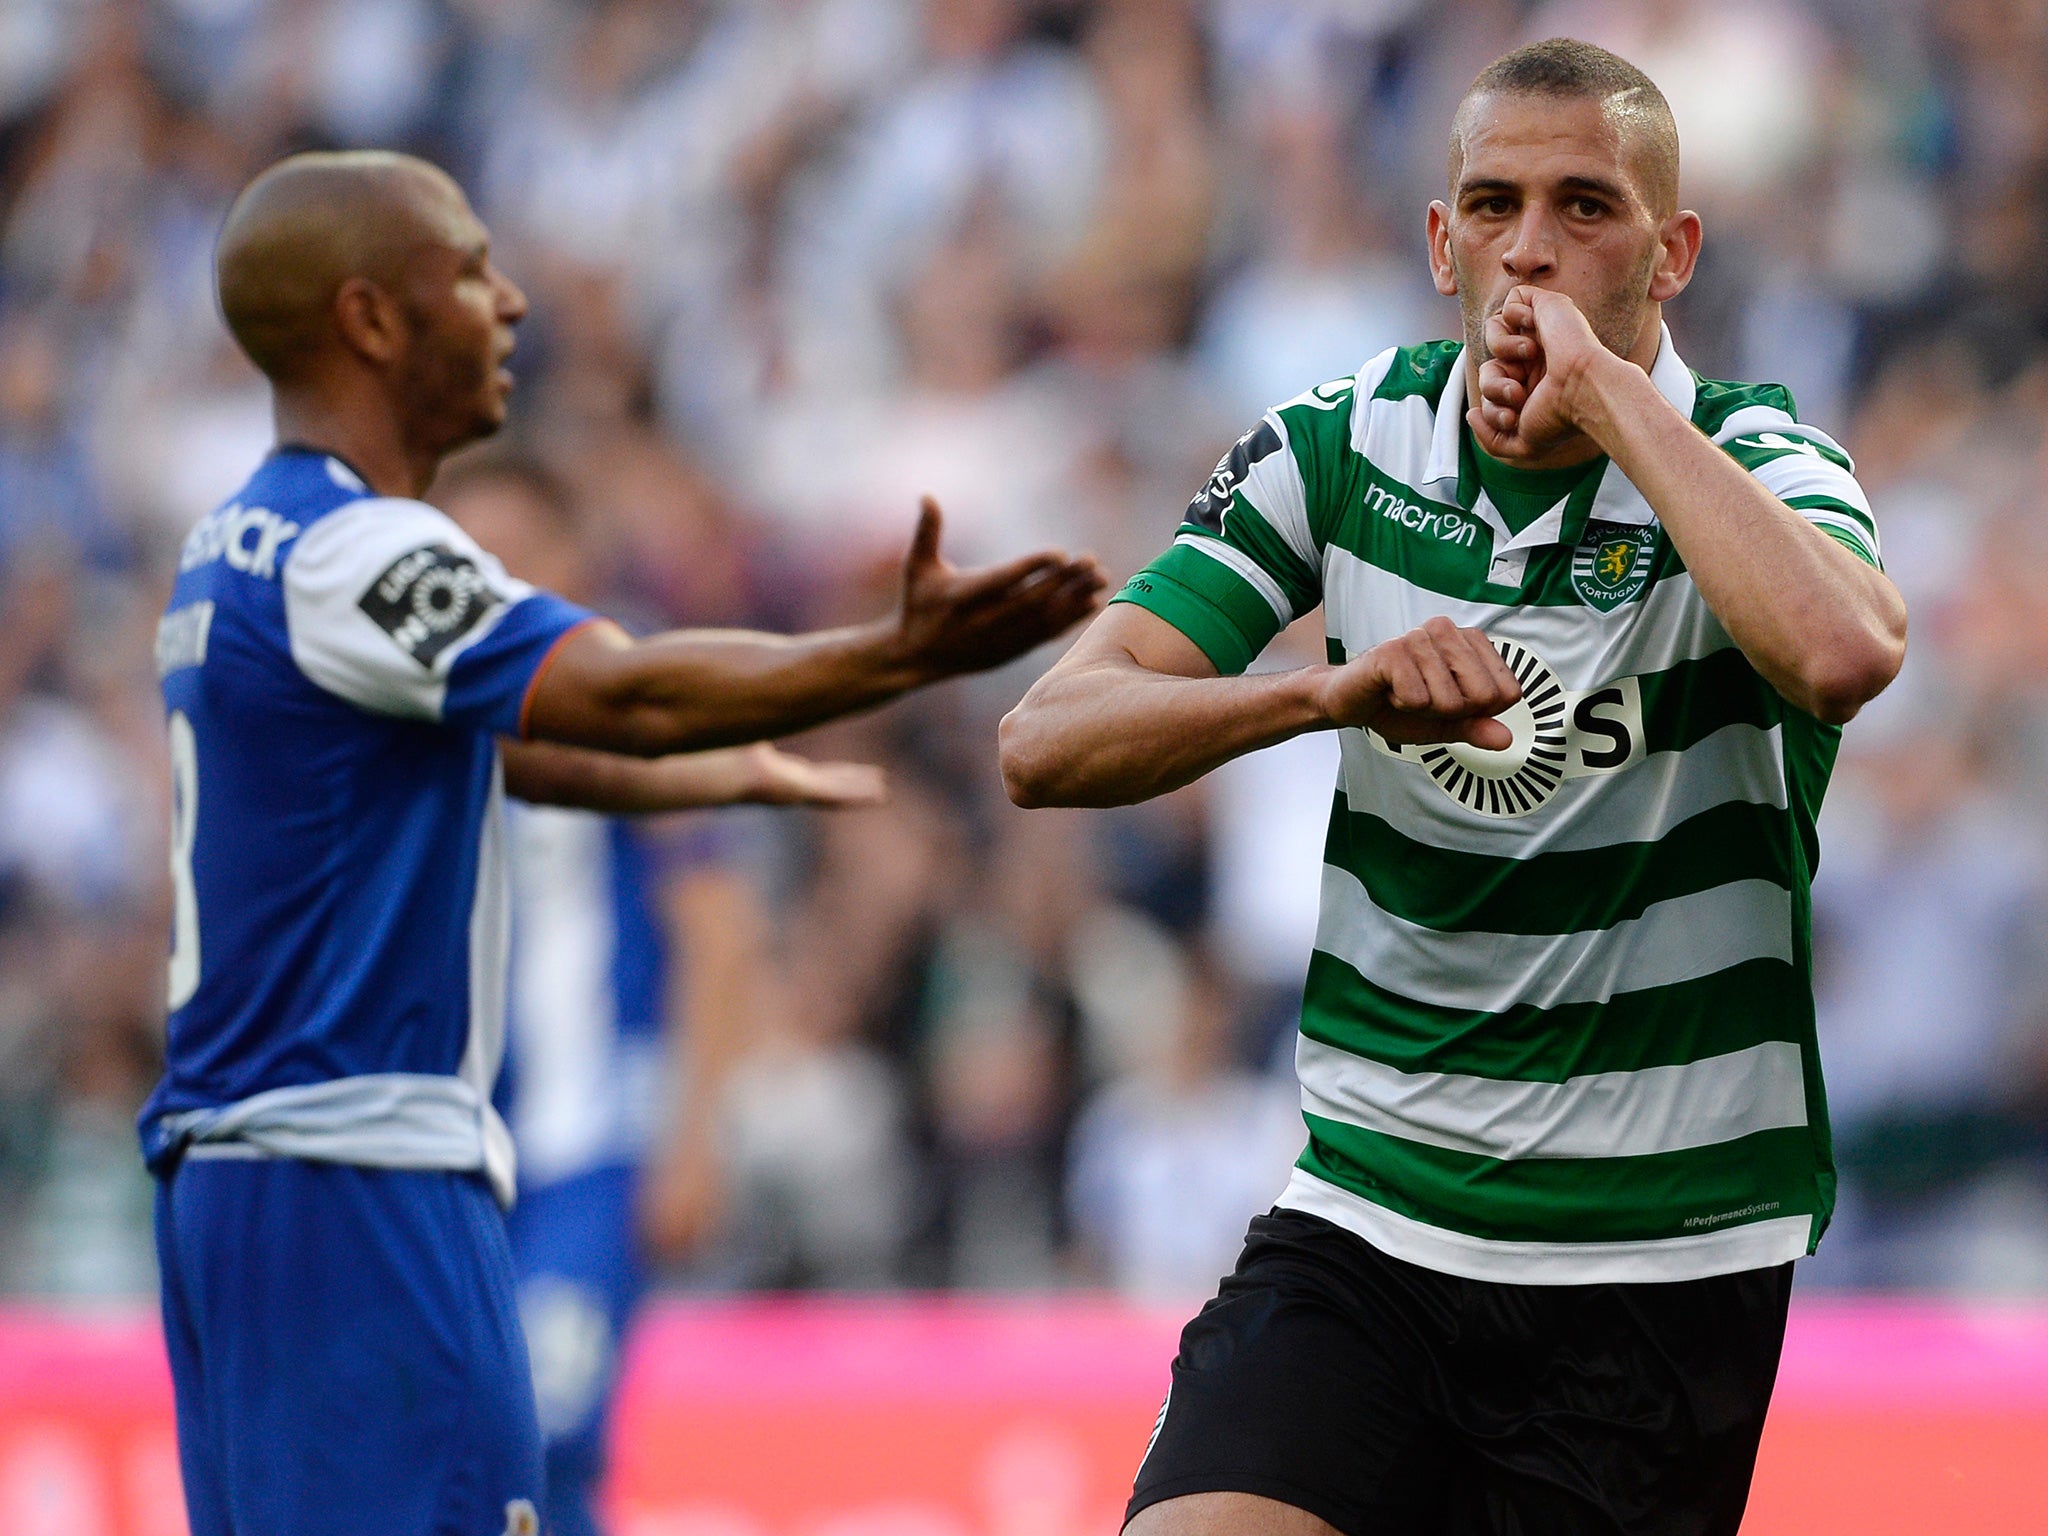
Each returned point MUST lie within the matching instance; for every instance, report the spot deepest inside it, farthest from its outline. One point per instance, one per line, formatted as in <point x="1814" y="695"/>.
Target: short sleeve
<point x="394" y="608"/>
<point x="1243" y="565"/>
<point x="1808" y="471"/>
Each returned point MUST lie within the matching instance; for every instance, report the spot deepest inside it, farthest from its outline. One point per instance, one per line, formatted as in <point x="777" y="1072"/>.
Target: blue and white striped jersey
<point x="591" y="970"/>
<point x="337" y="667"/>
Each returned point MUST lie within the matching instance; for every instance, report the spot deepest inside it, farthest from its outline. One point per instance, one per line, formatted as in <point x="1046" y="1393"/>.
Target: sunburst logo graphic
<point x="1523" y="775"/>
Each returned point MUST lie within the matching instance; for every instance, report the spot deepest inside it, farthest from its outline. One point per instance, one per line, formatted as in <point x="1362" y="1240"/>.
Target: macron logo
<point x="1450" y="527"/>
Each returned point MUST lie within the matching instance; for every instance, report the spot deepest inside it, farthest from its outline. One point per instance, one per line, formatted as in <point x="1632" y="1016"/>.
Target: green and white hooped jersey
<point x="1558" y="1025"/>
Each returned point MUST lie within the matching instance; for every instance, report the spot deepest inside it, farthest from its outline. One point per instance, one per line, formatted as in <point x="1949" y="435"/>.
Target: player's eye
<point x="1588" y="207"/>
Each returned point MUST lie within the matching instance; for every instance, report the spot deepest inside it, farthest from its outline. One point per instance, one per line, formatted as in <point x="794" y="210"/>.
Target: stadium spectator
<point x="1937" y="858"/>
<point x="1170" y="1159"/>
<point x="1880" y="279"/>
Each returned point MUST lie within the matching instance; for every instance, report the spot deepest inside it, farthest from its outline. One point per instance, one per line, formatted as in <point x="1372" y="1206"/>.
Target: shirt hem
<point x="1752" y="1245"/>
<point x="402" y="1120"/>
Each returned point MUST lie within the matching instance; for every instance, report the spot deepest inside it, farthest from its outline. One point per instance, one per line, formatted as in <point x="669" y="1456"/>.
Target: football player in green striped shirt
<point x="1594" y="625"/>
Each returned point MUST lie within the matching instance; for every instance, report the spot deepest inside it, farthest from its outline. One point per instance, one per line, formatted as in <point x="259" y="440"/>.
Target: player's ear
<point x="369" y="320"/>
<point x="1678" y="254"/>
<point x="1440" y="269"/>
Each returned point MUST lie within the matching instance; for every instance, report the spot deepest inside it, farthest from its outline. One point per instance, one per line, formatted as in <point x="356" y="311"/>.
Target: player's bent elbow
<point x="1834" y="709"/>
<point x="1025" y="776"/>
<point x="1020" y="794"/>
<point x="1837" y="691"/>
<point x="1042" y="767"/>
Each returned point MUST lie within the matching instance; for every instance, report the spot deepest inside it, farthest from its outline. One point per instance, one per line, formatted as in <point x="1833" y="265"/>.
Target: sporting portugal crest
<point x="1612" y="563"/>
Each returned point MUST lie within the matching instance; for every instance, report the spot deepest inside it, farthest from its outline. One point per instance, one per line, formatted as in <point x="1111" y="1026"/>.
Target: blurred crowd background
<point x="795" y="262"/>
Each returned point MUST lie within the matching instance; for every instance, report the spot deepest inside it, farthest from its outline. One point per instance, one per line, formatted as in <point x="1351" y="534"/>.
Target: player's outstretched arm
<point x="760" y="774"/>
<point x="1823" y="628"/>
<point x="693" y="689"/>
<point x="1136" y="709"/>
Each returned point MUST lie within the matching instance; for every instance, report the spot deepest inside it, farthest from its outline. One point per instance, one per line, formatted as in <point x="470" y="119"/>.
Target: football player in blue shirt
<point x="353" y="686"/>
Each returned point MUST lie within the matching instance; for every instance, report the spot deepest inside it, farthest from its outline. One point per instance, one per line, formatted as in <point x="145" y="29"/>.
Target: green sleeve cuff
<point x="1209" y="603"/>
<point x="1851" y="543"/>
<point x="1864" y="548"/>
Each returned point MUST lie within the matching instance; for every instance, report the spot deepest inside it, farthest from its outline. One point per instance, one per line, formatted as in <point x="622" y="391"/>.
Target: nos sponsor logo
<point x="1558" y="735"/>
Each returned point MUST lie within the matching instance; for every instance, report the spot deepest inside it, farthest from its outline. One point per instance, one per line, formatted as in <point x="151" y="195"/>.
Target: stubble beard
<point x="450" y="397"/>
<point x="1615" y="316"/>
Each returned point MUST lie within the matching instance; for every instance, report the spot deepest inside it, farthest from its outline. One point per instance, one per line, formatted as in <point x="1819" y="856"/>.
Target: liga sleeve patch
<point x="1213" y="500"/>
<point x="428" y="599"/>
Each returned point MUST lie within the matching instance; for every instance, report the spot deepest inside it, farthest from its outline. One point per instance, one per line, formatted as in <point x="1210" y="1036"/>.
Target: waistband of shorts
<point x="408" y="1120"/>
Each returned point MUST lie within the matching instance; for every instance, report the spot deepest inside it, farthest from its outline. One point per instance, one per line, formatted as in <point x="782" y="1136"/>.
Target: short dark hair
<point x="1567" y="67"/>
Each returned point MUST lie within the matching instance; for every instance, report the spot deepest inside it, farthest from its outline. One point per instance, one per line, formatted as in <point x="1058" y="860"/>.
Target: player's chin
<point x="461" y="431"/>
<point x="493" y="407"/>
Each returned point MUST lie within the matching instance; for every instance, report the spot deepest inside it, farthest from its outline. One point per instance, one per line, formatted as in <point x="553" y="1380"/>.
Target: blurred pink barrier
<point x="926" y="1349"/>
<point x="920" y="1417"/>
<point x="1914" y="1355"/>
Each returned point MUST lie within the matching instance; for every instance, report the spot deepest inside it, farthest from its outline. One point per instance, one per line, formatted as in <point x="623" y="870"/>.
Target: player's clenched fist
<point x="1436" y="683"/>
<point x="1539" y="347"/>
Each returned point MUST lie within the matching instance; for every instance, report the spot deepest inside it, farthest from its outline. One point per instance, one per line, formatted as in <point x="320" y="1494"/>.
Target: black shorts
<point x="1389" y="1399"/>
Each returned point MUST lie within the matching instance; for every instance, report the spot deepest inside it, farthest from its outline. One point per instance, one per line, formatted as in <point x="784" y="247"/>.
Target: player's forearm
<point x="690" y="690"/>
<point x="549" y="774"/>
<point x="1822" y="627"/>
<point x="712" y="916"/>
<point x="1107" y="734"/>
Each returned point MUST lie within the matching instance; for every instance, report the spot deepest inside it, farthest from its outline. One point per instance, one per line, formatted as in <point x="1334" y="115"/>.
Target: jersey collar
<point x="339" y="470"/>
<point x="1608" y="497"/>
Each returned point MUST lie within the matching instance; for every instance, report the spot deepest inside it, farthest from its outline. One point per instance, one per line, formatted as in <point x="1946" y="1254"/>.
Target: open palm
<point x="957" y="621"/>
<point x="783" y="778"/>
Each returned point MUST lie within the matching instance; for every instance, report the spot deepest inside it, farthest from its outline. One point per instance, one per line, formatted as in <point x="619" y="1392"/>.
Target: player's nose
<point x="1533" y="251"/>
<point x="511" y="300"/>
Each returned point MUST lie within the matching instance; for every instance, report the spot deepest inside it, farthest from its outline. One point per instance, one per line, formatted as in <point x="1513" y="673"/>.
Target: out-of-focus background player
<point x="635" y="963"/>
<point x="352" y="685"/>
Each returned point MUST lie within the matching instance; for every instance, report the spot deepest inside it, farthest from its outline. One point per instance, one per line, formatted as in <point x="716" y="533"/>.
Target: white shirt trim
<point x="1731" y="1250"/>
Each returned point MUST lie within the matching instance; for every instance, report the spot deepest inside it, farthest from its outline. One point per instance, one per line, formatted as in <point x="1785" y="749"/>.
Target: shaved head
<point x="1567" y="69"/>
<point x="311" y="223"/>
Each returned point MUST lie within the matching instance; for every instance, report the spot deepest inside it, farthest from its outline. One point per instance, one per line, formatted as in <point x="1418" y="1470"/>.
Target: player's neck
<point x="367" y="441"/>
